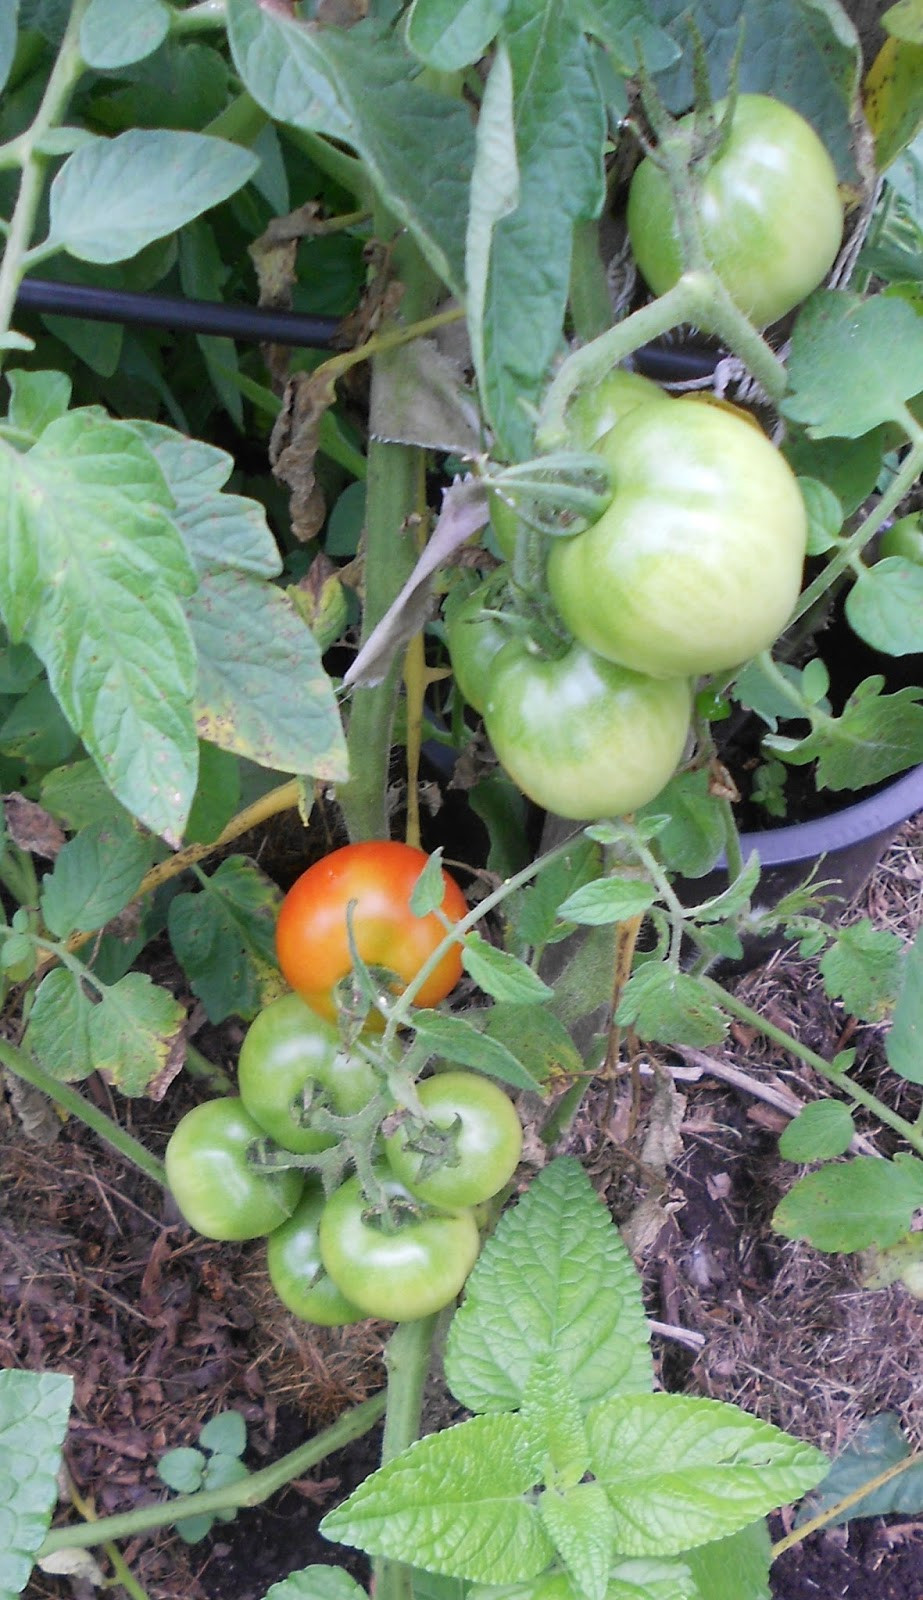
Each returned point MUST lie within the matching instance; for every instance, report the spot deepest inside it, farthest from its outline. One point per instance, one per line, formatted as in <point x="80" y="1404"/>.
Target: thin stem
<point x="407" y="1357"/>
<point x="824" y="1518"/>
<point x="22" y="1066"/>
<point x="855" y="1091"/>
<point x="733" y="854"/>
<point x="64" y="76"/>
<point x="197" y="19"/>
<point x="251" y="1491"/>
<point x="119" y="1565"/>
<point x="345" y="170"/>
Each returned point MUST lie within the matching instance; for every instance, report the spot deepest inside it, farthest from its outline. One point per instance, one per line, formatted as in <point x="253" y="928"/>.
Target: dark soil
<point x="161" y="1330"/>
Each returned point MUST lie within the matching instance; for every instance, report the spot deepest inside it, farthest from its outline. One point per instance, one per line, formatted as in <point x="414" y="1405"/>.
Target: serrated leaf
<point x="454" y="1502"/>
<point x="821" y="1130"/>
<point x="877" y="1444"/>
<point x="501" y="975"/>
<point x="863" y="967"/>
<point x="450" y="34"/>
<point x="877" y="736"/>
<point x="852" y="1205"/>
<point x="95" y="875"/>
<point x="582" y="1527"/>
<point x="136" y="1037"/>
<point x="535" y="911"/>
<point x="885" y="606"/>
<point x="58" y="1034"/>
<point x="429" y="890"/>
<point x="854" y="363"/>
<point x="904" y="1039"/>
<point x="554" y="1280"/>
<point x="116" y="33"/>
<point x="250" y="639"/>
<point x="154" y="181"/>
<point x="537" y="1038"/>
<point x="608" y="900"/>
<point x="681" y="1471"/>
<point x="34" y="1410"/>
<point x="736" y="897"/>
<point x="316" y="1583"/>
<point x="220" y="530"/>
<point x="91" y="574"/>
<point x="552" y="1413"/>
<point x="671" y="1007"/>
<point x="358" y="86"/>
<point x="553" y="165"/>
<point x="456" y="1040"/>
<point x="693" y="837"/>
<point x="225" y="939"/>
<point x="735" y="1568"/>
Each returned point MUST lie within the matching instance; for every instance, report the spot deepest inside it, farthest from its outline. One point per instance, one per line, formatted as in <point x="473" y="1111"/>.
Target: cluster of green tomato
<point x="335" y="1260"/>
<point x="696" y="563"/>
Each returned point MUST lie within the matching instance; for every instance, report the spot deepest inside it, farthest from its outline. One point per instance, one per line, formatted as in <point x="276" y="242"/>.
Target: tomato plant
<point x="486" y="1146"/>
<point x="396" y="1269"/>
<point x="475" y="638"/>
<point x="696" y="565"/>
<point x="581" y="736"/>
<point x="377" y="879"/>
<point x="296" y="1271"/>
<point x="904" y="538"/>
<point x="767" y="204"/>
<point x="217" y="1190"/>
<point x="289" y="1053"/>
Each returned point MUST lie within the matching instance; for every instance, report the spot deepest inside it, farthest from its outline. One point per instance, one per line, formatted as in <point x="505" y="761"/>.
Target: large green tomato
<point x="590" y="415"/>
<point x="296" y="1271"/>
<point x="216" y="1189"/>
<point x="288" y="1054"/>
<point x="769" y="210"/>
<point x="697" y="563"/>
<point x="474" y="639"/>
<point x="582" y="737"/>
<point x="401" y="1273"/>
<point x="487" y="1143"/>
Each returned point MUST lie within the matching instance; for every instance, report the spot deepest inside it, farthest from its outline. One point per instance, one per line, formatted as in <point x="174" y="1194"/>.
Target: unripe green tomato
<point x="296" y="1271"/>
<point x="768" y="207"/>
<point x="290" y="1051"/>
<point x="582" y="737"/>
<point x="697" y="563"/>
<point x="211" y="1180"/>
<point x="487" y="1147"/>
<point x="474" y="640"/>
<point x="904" y="538"/>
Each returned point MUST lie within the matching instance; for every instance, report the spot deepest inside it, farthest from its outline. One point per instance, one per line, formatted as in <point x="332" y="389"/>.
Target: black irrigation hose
<point x="263" y="324"/>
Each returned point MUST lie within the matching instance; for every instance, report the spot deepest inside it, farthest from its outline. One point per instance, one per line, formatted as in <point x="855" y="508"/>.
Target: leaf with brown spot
<point x="31" y="828"/>
<point x="294" y="443"/>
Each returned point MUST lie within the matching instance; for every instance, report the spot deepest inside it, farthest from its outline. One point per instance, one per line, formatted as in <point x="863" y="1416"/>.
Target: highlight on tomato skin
<point x="377" y="878"/>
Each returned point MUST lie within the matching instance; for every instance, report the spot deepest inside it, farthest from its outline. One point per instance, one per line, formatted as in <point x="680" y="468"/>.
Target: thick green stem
<point x="407" y="1357"/>
<point x="22" y="1066"/>
<point x="64" y="76"/>
<point x="345" y="170"/>
<point x="250" y="1491"/>
<point x="590" y="300"/>
<point x="855" y="1091"/>
<point x="241" y="121"/>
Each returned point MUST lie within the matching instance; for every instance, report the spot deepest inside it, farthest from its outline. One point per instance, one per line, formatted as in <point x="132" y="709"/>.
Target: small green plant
<point x="213" y="1465"/>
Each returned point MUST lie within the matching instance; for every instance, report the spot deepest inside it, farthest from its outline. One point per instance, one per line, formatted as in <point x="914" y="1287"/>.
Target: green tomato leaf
<point x="735" y="1568"/>
<point x="7" y="42"/>
<point x="450" y="34"/>
<point x="78" y="796"/>
<point x="203" y="275"/>
<point x="536" y="1037"/>
<point x="820" y="1131"/>
<point x="34" y="1410"/>
<point x="317" y="1583"/>
<point x="539" y="144"/>
<point x="37" y="398"/>
<point x="359" y="86"/>
<point x="693" y="837"/>
<point x="217" y="796"/>
<point x="429" y="890"/>
<point x="36" y="730"/>
<point x="116" y="33"/>
<point x="680" y="1471"/>
<point x="863" y="968"/>
<point x="877" y="736"/>
<point x="554" y="1280"/>
<point x="854" y="363"/>
<point x="455" y="1501"/>
<point x="224" y="938"/>
<point x="848" y="467"/>
<point x="904" y="1039"/>
<point x="58" y="1034"/>
<point x="535" y="911"/>
<point x="904" y="20"/>
<point x="825" y="515"/>
<point x="885" y="606"/>
<point x="665" y="1005"/>
<point x="608" y="900"/>
<point x="91" y="574"/>
<point x="877" y="1444"/>
<point x="455" y="1039"/>
<point x="581" y="1523"/>
<point x="182" y="1469"/>
<point x="95" y="875"/>
<point x="220" y="531"/>
<point x="852" y="1205"/>
<point x="250" y="639"/>
<point x="501" y="975"/>
<point x="154" y="181"/>
<point x="629" y="32"/>
<point x="136" y="1036"/>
